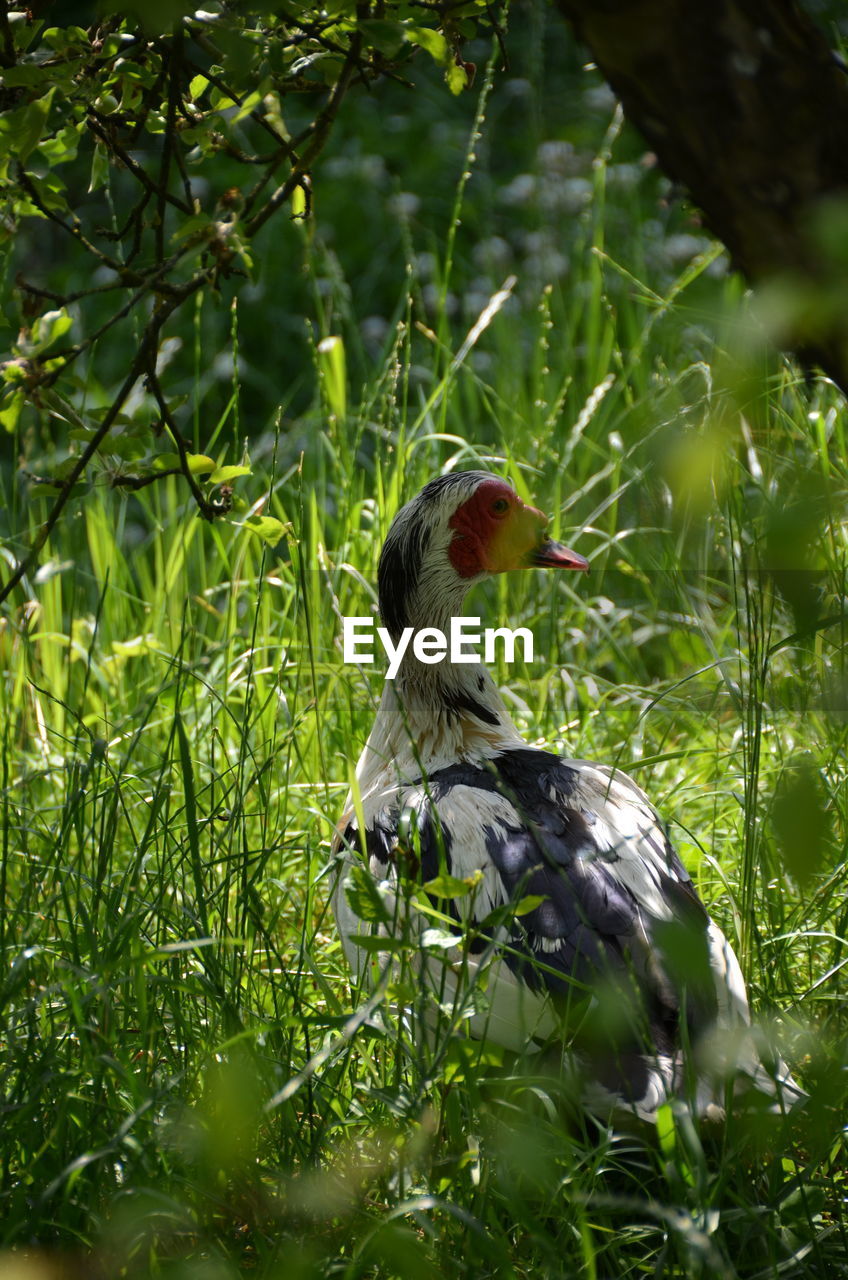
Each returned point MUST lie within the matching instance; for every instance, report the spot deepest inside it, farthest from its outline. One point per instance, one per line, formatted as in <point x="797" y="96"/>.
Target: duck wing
<point x="610" y="949"/>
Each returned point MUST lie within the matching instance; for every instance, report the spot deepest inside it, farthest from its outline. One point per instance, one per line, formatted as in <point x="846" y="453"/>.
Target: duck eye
<point x="500" y="506"/>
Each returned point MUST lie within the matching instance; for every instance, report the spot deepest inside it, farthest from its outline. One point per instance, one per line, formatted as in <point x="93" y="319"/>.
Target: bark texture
<point x="744" y="103"/>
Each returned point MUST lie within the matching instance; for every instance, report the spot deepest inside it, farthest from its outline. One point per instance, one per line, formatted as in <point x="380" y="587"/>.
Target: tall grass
<point x="191" y="1086"/>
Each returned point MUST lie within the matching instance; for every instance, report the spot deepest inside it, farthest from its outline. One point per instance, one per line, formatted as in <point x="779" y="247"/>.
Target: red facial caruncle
<point x="476" y="524"/>
<point x="495" y="531"/>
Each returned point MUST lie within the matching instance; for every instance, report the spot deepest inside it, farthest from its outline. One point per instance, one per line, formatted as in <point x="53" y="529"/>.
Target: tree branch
<point x="209" y="510"/>
<point x="174" y="62"/>
<point x="155" y="281"/>
<point x="141" y="364"/>
<point x="99" y="125"/>
<point x="318" y="136"/>
<point x="63" y="299"/>
<point x="74" y="231"/>
<point x="136" y="369"/>
<point x="141" y="482"/>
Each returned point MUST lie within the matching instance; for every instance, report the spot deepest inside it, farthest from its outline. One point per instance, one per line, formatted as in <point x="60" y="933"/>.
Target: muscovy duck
<point x="611" y="953"/>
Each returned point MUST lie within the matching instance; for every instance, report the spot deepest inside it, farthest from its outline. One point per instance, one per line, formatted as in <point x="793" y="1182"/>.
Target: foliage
<point x="142" y="108"/>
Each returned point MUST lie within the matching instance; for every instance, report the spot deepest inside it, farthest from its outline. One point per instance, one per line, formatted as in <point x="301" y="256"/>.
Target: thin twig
<point x="141" y="364"/>
<point x="255" y="116"/>
<point x="208" y="510"/>
<point x="154" y="281"/>
<point x="136" y="369"/>
<point x="184" y="178"/>
<point x="141" y="482"/>
<point x="292" y="149"/>
<point x="64" y="299"/>
<point x="149" y="99"/>
<point x="174" y="62"/>
<point x="319" y="131"/>
<point x="98" y="125"/>
<point x="74" y="231"/>
<point x="138" y="231"/>
<point x="134" y="216"/>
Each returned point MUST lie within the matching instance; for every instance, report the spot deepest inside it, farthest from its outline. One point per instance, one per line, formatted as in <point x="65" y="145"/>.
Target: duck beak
<point x="553" y="555"/>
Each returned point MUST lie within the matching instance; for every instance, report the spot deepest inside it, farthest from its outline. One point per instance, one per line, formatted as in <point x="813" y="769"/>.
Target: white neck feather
<point x="433" y="715"/>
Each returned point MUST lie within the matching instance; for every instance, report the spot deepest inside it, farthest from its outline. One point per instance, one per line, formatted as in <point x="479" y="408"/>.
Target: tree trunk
<point x="745" y="104"/>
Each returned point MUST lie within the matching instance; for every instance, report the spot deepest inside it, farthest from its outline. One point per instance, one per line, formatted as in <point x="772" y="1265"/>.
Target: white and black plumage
<point x="618" y="960"/>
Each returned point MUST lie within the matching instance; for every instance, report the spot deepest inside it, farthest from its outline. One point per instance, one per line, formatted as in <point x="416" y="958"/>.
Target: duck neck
<point x="437" y="712"/>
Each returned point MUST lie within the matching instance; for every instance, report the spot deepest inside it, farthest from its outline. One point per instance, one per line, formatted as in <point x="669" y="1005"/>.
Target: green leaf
<point x="457" y="77"/>
<point x="27" y="125"/>
<point x="197" y="86"/>
<point x="11" y="410"/>
<point x="99" y="167"/>
<point x="131" y="93"/>
<point x="222" y="475"/>
<point x="432" y="42"/>
<point x="373" y="943"/>
<point x="248" y="104"/>
<point x="507" y="911"/>
<point x="124" y="445"/>
<point x="528" y="904"/>
<point x="62" y="146"/>
<point x="25" y="76"/>
<point x="267" y="528"/>
<point x="156" y="16"/>
<point x="298" y="202"/>
<point x="447" y="886"/>
<point x="388" y="37"/>
<point x="47" y="329"/>
<point x="329" y="67"/>
<point x="43" y="490"/>
<point x="199" y="463"/>
<point x="665" y="1130"/>
<point x="197" y="223"/>
<point x="364" y="897"/>
<point x="60" y="39"/>
<point x="50" y="190"/>
<point x="333" y="373"/>
<point x="221" y="101"/>
<point x="273" y="113"/>
<point x="440" y="939"/>
<point x="64" y="468"/>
